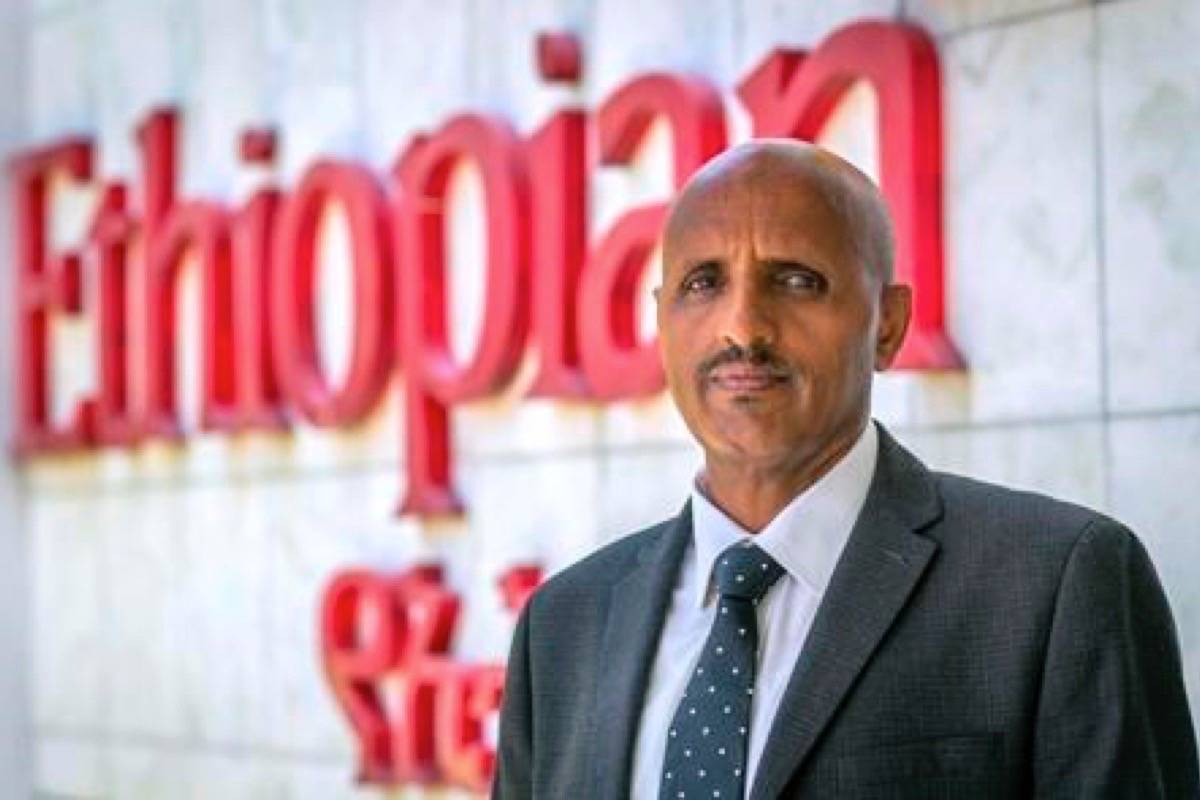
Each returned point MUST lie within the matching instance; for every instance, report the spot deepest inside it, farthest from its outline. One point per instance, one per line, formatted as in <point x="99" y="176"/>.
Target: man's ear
<point x="895" y="311"/>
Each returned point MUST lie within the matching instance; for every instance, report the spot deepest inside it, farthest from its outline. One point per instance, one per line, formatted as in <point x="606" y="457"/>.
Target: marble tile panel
<point x="147" y="638"/>
<point x="1022" y="266"/>
<point x="141" y="772"/>
<point x="47" y="8"/>
<point x="227" y="89"/>
<point x="627" y="37"/>
<point x="1155" y="461"/>
<point x="234" y="777"/>
<point x="70" y="767"/>
<point x="143" y="51"/>
<point x="643" y="487"/>
<point x="314" y="529"/>
<point x="1151" y="103"/>
<point x="1063" y="460"/>
<point x="948" y="17"/>
<point x="69" y="673"/>
<point x="513" y="425"/>
<point x="313" y="50"/>
<point x="220" y="598"/>
<point x="504" y="67"/>
<point x="416" y="69"/>
<point x="60" y="79"/>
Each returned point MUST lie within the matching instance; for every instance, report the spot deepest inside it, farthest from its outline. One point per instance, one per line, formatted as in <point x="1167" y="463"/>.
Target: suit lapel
<point x="882" y="562"/>
<point x="637" y="608"/>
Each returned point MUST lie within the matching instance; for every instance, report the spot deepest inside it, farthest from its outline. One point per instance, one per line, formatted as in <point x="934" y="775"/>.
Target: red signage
<point x="419" y="715"/>
<point x="552" y="285"/>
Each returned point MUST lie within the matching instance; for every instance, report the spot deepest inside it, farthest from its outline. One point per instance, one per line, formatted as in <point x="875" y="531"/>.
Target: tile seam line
<point x="1100" y="221"/>
<point x="101" y="738"/>
<point x="1011" y="21"/>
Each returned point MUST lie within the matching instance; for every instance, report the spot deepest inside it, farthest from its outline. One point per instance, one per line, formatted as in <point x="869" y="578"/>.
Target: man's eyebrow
<point x="789" y="262"/>
<point x="698" y="262"/>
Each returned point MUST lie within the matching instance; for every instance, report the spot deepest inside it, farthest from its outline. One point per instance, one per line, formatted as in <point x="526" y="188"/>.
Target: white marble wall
<point x="175" y="590"/>
<point x="15" y="730"/>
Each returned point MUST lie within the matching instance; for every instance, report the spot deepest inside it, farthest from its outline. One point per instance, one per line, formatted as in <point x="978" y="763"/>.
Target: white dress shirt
<point x="806" y="538"/>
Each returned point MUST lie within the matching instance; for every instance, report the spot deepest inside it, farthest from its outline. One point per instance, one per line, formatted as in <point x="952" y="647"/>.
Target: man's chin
<point x="754" y="452"/>
<point x="756" y="408"/>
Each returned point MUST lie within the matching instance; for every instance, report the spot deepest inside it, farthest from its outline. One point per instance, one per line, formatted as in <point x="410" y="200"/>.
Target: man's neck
<point x="752" y="494"/>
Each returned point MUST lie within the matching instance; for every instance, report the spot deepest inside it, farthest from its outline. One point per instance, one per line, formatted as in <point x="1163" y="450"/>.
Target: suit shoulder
<point x="979" y="506"/>
<point x="993" y="538"/>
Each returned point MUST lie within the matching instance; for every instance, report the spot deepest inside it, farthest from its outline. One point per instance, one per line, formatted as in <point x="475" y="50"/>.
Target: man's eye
<point x="700" y="282"/>
<point x="799" y="280"/>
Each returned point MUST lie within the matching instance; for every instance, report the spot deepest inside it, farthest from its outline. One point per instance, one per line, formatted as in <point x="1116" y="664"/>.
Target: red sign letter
<point x="292" y="294"/>
<point x="259" y="397"/>
<point x="44" y="284"/>
<point x="434" y="381"/>
<point x="557" y="164"/>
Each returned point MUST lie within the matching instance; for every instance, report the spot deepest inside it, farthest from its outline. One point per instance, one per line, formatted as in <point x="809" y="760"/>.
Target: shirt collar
<point x="807" y="536"/>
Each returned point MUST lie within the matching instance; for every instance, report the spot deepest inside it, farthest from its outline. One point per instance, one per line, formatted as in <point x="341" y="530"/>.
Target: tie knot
<point x="745" y="571"/>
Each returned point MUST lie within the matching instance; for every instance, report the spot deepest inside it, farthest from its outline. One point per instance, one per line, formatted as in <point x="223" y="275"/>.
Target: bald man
<point x="826" y="617"/>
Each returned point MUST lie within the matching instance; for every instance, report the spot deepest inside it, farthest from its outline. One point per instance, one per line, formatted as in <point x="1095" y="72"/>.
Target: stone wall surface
<point x="15" y="727"/>
<point x="174" y="590"/>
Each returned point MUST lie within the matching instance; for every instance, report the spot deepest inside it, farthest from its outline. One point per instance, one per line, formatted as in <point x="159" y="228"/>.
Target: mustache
<point x="756" y="354"/>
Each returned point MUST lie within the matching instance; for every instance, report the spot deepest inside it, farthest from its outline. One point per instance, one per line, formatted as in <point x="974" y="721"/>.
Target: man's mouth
<point x="747" y="378"/>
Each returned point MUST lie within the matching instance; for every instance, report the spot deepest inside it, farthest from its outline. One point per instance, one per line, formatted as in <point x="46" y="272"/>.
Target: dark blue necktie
<point x="709" y="734"/>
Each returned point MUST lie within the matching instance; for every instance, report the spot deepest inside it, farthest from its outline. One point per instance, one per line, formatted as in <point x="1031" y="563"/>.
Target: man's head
<point x="776" y="303"/>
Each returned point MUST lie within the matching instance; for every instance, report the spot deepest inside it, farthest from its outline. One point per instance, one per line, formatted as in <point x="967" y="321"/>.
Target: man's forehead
<point x="740" y="199"/>
<point x="764" y="203"/>
<point x="749" y="179"/>
<point x="782" y="192"/>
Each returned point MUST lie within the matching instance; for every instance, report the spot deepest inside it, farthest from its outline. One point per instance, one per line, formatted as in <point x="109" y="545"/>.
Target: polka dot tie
<point x="708" y="736"/>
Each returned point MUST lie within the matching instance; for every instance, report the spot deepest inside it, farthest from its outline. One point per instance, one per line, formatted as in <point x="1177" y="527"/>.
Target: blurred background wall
<point x="15" y="749"/>
<point x="174" y="589"/>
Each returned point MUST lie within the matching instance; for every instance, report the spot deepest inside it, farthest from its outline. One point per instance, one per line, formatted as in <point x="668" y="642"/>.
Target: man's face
<point x="768" y="320"/>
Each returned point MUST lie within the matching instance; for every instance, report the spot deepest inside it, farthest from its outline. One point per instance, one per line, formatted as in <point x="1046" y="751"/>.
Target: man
<point x="826" y="617"/>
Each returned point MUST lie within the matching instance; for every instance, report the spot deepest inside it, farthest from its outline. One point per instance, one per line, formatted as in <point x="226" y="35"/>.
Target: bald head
<point x="789" y="166"/>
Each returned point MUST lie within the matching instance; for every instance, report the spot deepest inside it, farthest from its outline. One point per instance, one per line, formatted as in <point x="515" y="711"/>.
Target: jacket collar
<point x="884" y="559"/>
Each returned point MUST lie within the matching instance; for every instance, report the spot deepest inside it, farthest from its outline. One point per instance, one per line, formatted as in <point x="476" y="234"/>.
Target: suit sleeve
<point x="1113" y="718"/>
<point x="514" y="752"/>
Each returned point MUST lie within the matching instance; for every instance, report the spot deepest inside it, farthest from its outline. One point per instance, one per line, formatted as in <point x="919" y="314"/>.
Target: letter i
<point x="557" y="157"/>
<point x="259" y="402"/>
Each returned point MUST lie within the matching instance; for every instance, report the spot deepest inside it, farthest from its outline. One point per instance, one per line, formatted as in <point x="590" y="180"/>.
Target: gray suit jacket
<point x="974" y="642"/>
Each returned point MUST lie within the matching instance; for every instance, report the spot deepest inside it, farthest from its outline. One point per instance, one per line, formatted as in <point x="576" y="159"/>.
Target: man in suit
<point x="826" y="617"/>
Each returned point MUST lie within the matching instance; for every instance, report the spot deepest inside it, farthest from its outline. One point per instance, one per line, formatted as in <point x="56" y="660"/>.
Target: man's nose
<point x="747" y="319"/>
